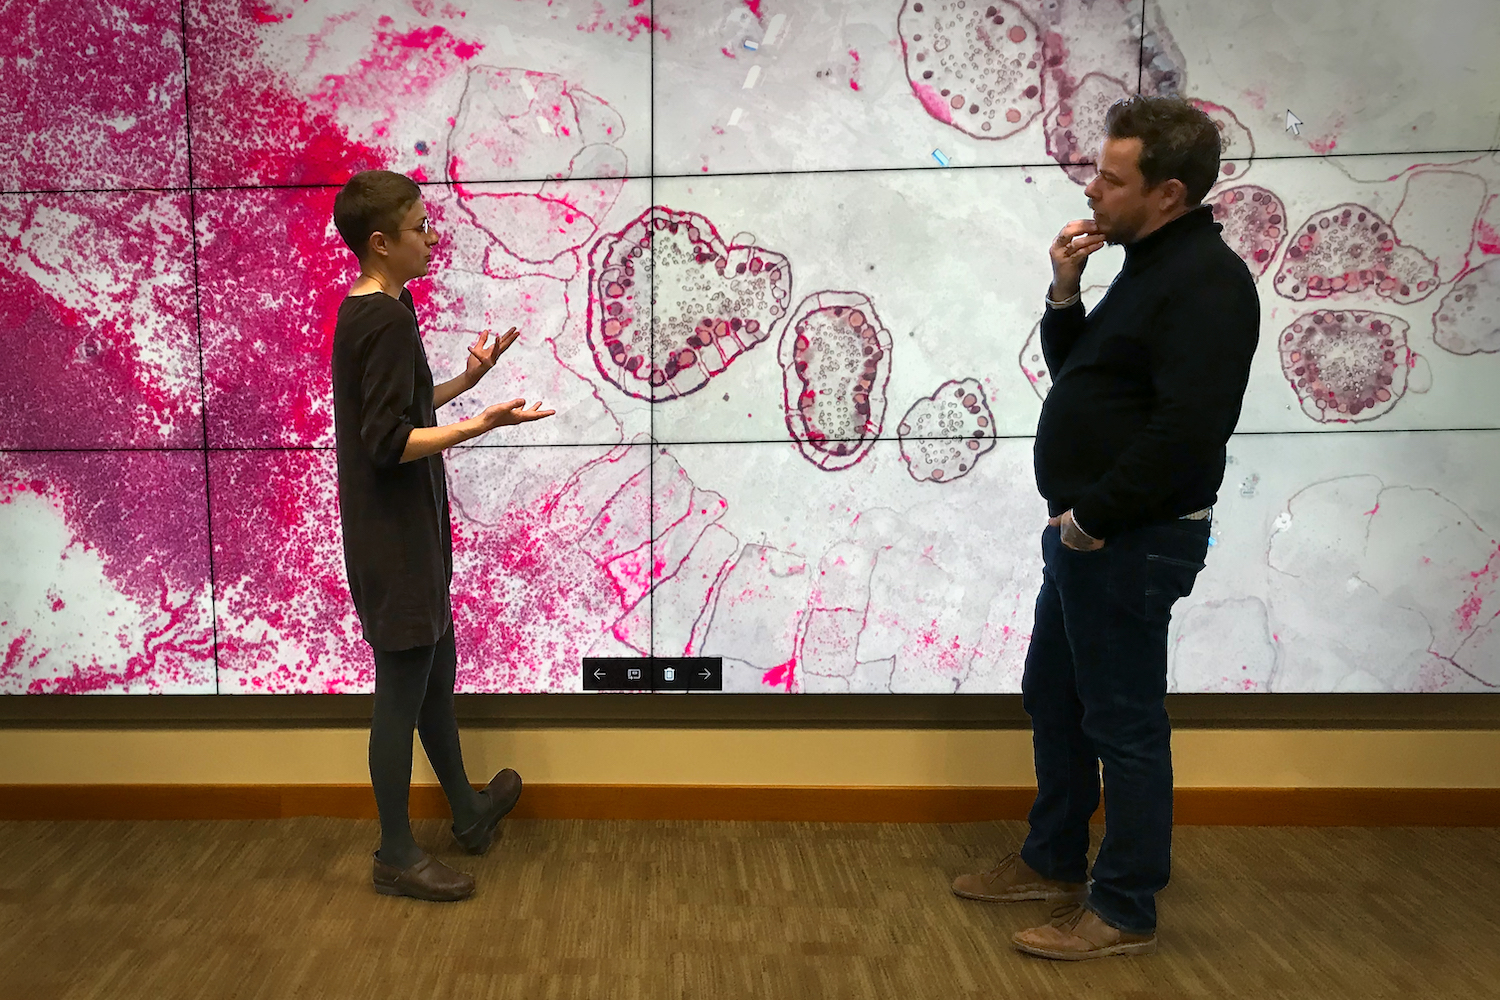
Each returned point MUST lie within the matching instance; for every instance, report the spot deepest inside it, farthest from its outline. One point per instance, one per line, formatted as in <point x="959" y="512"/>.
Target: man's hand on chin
<point x="1073" y="536"/>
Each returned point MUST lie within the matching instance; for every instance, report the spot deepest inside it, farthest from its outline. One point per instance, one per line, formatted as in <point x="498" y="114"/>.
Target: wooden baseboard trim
<point x="1193" y="806"/>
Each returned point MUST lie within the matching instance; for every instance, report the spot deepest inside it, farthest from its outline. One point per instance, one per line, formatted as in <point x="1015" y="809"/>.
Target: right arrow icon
<point x="1293" y="123"/>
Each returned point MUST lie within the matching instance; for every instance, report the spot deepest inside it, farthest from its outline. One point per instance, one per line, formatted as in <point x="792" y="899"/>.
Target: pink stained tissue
<point x="105" y="575"/>
<point x="552" y="562"/>
<point x="835" y="357"/>
<point x="977" y="69"/>
<point x="552" y="554"/>
<point x="671" y="304"/>
<point x="96" y="296"/>
<point x="1348" y="249"/>
<point x="944" y="435"/>
<point x="1075" y="124"/>
<point x="286" y="622"/>
<point x="268" y="315"/>
<point x="94" y="95"/>
<point x="1346" y="364"/>
<point x="1254" y="222"/>
<point x="250" y="125"/>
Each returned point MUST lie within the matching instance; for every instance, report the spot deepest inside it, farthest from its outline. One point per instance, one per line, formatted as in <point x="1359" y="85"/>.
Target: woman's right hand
<point x="511" y="412"/>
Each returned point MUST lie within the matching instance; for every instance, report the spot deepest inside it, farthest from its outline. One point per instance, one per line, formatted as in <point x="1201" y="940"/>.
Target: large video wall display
<point x="779" y="267"/>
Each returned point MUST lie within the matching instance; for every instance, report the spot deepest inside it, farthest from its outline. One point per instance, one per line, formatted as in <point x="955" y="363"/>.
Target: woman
<point x="398" y="547"/>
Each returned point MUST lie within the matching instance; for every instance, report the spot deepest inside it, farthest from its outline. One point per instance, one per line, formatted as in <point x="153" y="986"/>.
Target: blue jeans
<point x="1095" y="687"/>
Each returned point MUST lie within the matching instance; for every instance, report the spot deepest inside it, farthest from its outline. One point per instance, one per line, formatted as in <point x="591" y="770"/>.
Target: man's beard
<point x="1122" y="231"/>
<point x="1107" y="227"/>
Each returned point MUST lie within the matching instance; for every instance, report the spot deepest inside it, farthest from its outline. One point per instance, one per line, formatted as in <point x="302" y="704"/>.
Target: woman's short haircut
<point x="373" y="201"/>
<point x="1177" y="141"/>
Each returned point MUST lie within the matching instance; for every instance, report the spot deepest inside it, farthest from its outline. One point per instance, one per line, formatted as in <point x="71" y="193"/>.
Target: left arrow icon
<point x="598" y="673"/>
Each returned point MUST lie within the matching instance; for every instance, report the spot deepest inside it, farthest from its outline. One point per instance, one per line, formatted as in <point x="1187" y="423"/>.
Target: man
<point x="1129" y="454"/>
<point x="398" y="547"/>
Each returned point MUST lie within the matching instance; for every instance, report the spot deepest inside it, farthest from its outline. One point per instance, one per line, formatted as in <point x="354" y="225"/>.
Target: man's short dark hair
<point x="373" y="201"/>
<point x="1177" y="141"/>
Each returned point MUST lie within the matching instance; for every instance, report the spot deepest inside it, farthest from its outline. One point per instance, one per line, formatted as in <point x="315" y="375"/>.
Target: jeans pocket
<point x="1170" y="578"/>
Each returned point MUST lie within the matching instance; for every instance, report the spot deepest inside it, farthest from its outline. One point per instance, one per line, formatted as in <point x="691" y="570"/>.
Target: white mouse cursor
<point x="1293" y="123"/>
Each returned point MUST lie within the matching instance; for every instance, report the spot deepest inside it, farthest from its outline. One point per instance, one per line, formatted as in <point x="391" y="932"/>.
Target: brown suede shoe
<point x="501" y="794"/>
<point x="1077" y="933"/>
<point x="428" y="879"/>
<point x="1013" y="880"/>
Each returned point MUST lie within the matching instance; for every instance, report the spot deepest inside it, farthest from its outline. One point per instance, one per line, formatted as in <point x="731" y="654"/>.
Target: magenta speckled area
<point x="540" y="578"/>
<point x="96" y="298"/>
<point x="286" y="622"/>
<point x="105" y="578"/>
<point x="93" y="95"/>
<point x="551" y="559"/>
<point x="268" y="317"/>
<point x="249" y="124"/>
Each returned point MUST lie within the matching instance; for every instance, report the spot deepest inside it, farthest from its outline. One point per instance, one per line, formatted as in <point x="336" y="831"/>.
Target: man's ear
<point x="1171" y="193"/>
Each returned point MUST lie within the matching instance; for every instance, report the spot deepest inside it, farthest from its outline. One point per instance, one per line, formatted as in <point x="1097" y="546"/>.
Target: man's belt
<point x="1198" y="515"/>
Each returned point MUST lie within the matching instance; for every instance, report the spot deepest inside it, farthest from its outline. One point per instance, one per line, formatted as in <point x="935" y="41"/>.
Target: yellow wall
<point x="925" y="757"/>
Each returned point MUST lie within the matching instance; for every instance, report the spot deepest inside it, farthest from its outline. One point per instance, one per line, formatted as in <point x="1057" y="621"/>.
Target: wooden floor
<point x="596" y="909"/>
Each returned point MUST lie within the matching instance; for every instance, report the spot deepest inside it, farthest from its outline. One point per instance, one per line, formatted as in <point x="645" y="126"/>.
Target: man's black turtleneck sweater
<point x="1146" y="389"/>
